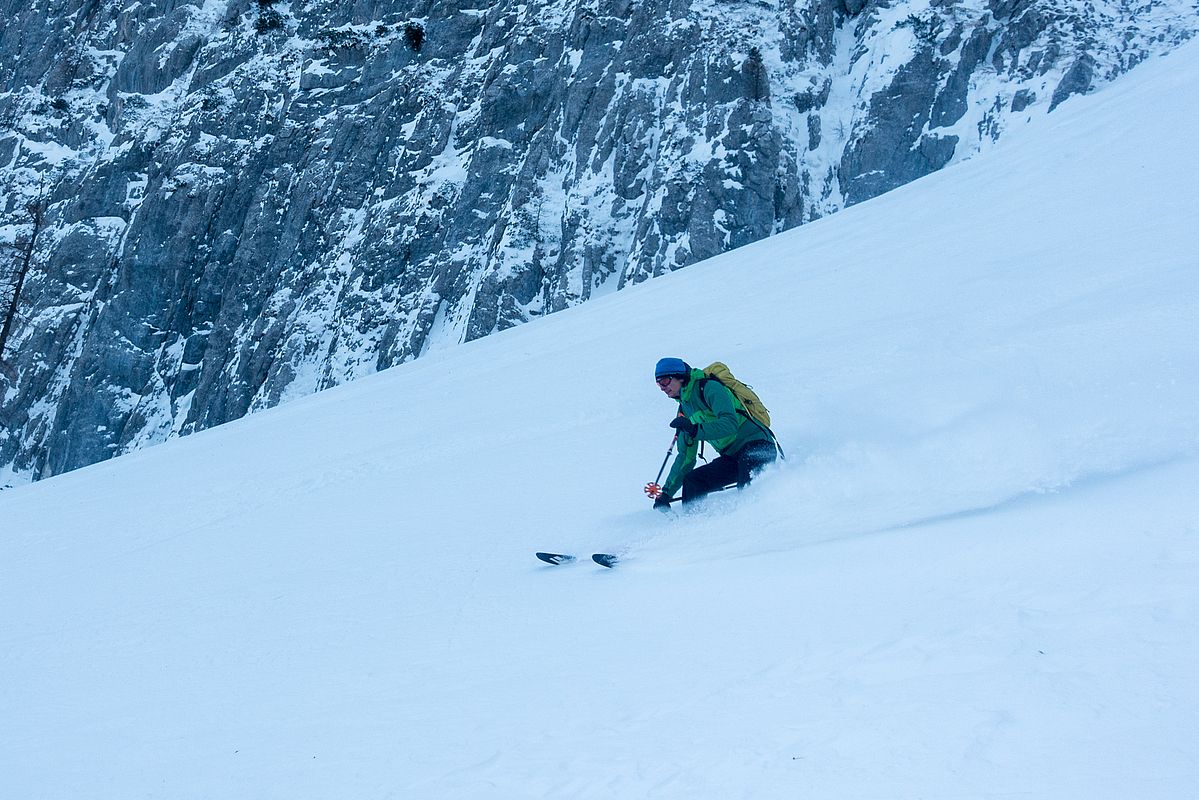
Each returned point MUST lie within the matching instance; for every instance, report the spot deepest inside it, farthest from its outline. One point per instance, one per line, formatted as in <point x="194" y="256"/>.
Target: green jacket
<point x="709" y="404"/>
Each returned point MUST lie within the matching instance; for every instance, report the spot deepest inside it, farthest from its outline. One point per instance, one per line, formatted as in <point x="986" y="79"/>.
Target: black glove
<point x="684" y="425"/>
<point x="662" y="503"/>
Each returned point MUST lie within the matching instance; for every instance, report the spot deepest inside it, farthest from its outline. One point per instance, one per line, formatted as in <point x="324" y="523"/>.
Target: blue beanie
<point x="672" y="367"/>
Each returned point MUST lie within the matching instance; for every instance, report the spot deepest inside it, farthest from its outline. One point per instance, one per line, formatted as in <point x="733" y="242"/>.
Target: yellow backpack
<point x="745" y="395"/>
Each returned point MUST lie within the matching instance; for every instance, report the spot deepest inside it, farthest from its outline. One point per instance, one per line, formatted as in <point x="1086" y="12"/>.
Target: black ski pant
<point x="739" y="468"/>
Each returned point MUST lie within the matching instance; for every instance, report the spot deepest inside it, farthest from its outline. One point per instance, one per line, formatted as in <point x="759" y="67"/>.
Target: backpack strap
<point x="700" y="452"/>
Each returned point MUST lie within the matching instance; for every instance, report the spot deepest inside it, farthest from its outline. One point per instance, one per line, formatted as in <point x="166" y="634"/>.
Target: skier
<point x="730" y="416"/>
<point x="708" y="412"/>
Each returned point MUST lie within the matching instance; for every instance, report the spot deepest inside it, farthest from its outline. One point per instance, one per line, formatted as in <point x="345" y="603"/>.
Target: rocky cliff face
<point x="251" y="200"/>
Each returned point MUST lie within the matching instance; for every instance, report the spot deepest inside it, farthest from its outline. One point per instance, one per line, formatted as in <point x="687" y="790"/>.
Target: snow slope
<point x="975" y="576"/>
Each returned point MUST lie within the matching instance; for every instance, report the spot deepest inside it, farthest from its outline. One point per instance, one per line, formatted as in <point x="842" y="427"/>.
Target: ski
<point x="603" y="559"/>
<point x="555" y="558"/>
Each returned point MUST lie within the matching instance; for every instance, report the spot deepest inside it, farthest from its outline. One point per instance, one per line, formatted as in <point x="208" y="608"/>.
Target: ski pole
<point x="654" y="485"/>
<point x="669" y="450"/>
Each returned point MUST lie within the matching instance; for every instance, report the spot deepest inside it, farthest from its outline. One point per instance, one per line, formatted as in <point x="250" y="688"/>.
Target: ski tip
<point x="555" y="558"/>
<point x="605" y="560"/>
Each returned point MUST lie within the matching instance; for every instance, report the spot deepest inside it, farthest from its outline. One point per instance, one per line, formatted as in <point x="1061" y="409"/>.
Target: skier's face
<point x="671" y="386"/>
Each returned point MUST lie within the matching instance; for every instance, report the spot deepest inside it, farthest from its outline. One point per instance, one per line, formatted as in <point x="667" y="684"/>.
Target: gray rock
<point x="891" y="148"/>
<point x="951" y="104"/>
<point x="1022" y="100"/>
<point x="1077" y="80"/>
<point x="247" y="204"/>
